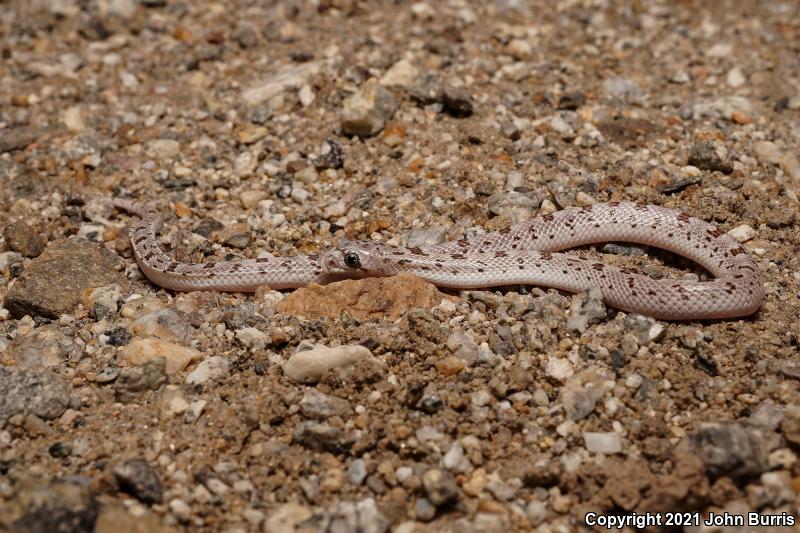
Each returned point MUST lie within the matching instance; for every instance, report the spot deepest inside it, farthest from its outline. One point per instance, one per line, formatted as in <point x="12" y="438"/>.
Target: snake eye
<point x="352" y="260"/>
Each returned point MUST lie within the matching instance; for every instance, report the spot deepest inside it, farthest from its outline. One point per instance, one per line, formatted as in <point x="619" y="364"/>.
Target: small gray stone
<point x="731" y="449"/>
<point x="288" y="78"/>
<point x="213" y="368"/>
<point x="423" y="510"/>
<point x="711" y="155"/>
<point x="457" y="101"/>
<point x="320" y="436"/>
<point x="56" y="506"/>
<point x="536" y="512"/>
<point x="21" y="238"/>
<point x="161" y="149"/>
<point x="357" y="472"/>
<point x="330" y="156"/>
<point x="43" y="394"/>
<point x="455" y="460"/>
<point x="310" y="365"/>
<point x="587" y="308"/>
<point x="147" y="376"/>
<point x="138" y="478"/>
<point x="463" y="346"/>
<point x="605" y="443"/>
<point x="440" y="486"/>
<point x="427" y="89"/>
<point x="581" y="393"/>
<point x="365" y="113"/>
<point x="320" y="406"/>
<point x="15" y="138"/>
<point x="623" y="89"/>
<point x="516" y="206"/>
<point x="44" y="347"/>
<point x="425" y="236"/>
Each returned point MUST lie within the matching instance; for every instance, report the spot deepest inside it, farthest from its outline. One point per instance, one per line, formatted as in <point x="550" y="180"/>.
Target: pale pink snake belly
<point x="522" y="254"/>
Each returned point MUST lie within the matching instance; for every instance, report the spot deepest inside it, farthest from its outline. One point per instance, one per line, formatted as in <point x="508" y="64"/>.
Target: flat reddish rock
<point x="368" y="298"/>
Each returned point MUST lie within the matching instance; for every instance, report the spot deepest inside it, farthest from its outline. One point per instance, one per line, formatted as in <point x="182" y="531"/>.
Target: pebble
<point x="253" y="516"/>
<point x="605" y="443"/>
<point x="330" y="156"/>
<point x="440" y="486"/>
<point x="286" y="517"/>
<point x="644" y="329"/>
<point x="581" y="392"/>
<point x="320" y="406"/>
<point x="711" y="155"/>
<point x="306" y="95"/>
<point x="357" y="472"/>
<point x="165" y="324"/>
<point x="742" y="233"/>
<point x="102" y="301"/>
<point x="7" y="259"/>
<point x="558" y="369"/>
<point x="176" y="357"/>
<point x="587" y="308"/>
<point x="463" y="347"/>
<point x="212" y="369"/>
<point x="180" y="509"/>
<point x="309" y="366"/>
<point x="22" y="238"/>
<point x="138" y="478"/>
<point x="137" y="307"/>
<point x="39" y="393"/>
<point x="48" y="505"/>
<point x="321" y="436"/>
<point x="515" y="206"/>
<point x="291" y="77"/>
<point x="768" y="152"/>
<point x="132" y="381"/>
<point x="623" y="89"/>
<point x="455" y="460"/>
<point x="252" y="338"/>
<point x="250" y="198"/>
<point x="44" y="347"/>
<point x="520" y="49"/>
<point x="424" y="511"/>
<point x="17" y="138"/>
<point x="735" y="78"/>
<point x="161" y="149"/>
<point x="730" y="449"/>
<point x="427" y="89"/>
<point x="536" y="511"/>
<point x="401" y="74"/>
<point x="365" y="113"/>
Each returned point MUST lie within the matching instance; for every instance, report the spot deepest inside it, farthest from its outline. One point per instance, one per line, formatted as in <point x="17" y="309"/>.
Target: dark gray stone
<point x="53" y="283"/>
<point x="139" y="479"/>
<point x="40" y="393"/>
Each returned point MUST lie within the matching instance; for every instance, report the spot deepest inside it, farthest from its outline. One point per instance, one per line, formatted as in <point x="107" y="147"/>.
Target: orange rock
<point x="450" y="365"/>
<point x="369" y="298"/>
<point x="740" y="118"/>
<point x="183" y="210"/>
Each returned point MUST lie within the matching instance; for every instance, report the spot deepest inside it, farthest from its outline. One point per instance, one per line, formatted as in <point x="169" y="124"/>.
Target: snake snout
<point x="332" y="262"/>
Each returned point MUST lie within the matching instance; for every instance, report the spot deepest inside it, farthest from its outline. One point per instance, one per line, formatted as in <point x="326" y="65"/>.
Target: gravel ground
<point x="281" y="127"/>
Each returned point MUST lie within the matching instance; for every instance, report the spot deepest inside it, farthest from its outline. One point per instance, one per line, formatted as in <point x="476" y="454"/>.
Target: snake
<point x="238" y="275"/>
<point x="527" y="253"/>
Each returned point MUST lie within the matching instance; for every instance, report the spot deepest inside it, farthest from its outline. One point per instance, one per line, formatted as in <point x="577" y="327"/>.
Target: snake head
<point x="354" y="258"/>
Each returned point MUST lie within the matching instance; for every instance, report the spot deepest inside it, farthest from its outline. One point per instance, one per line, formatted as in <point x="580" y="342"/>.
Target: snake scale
<point x="526" y="253"/>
